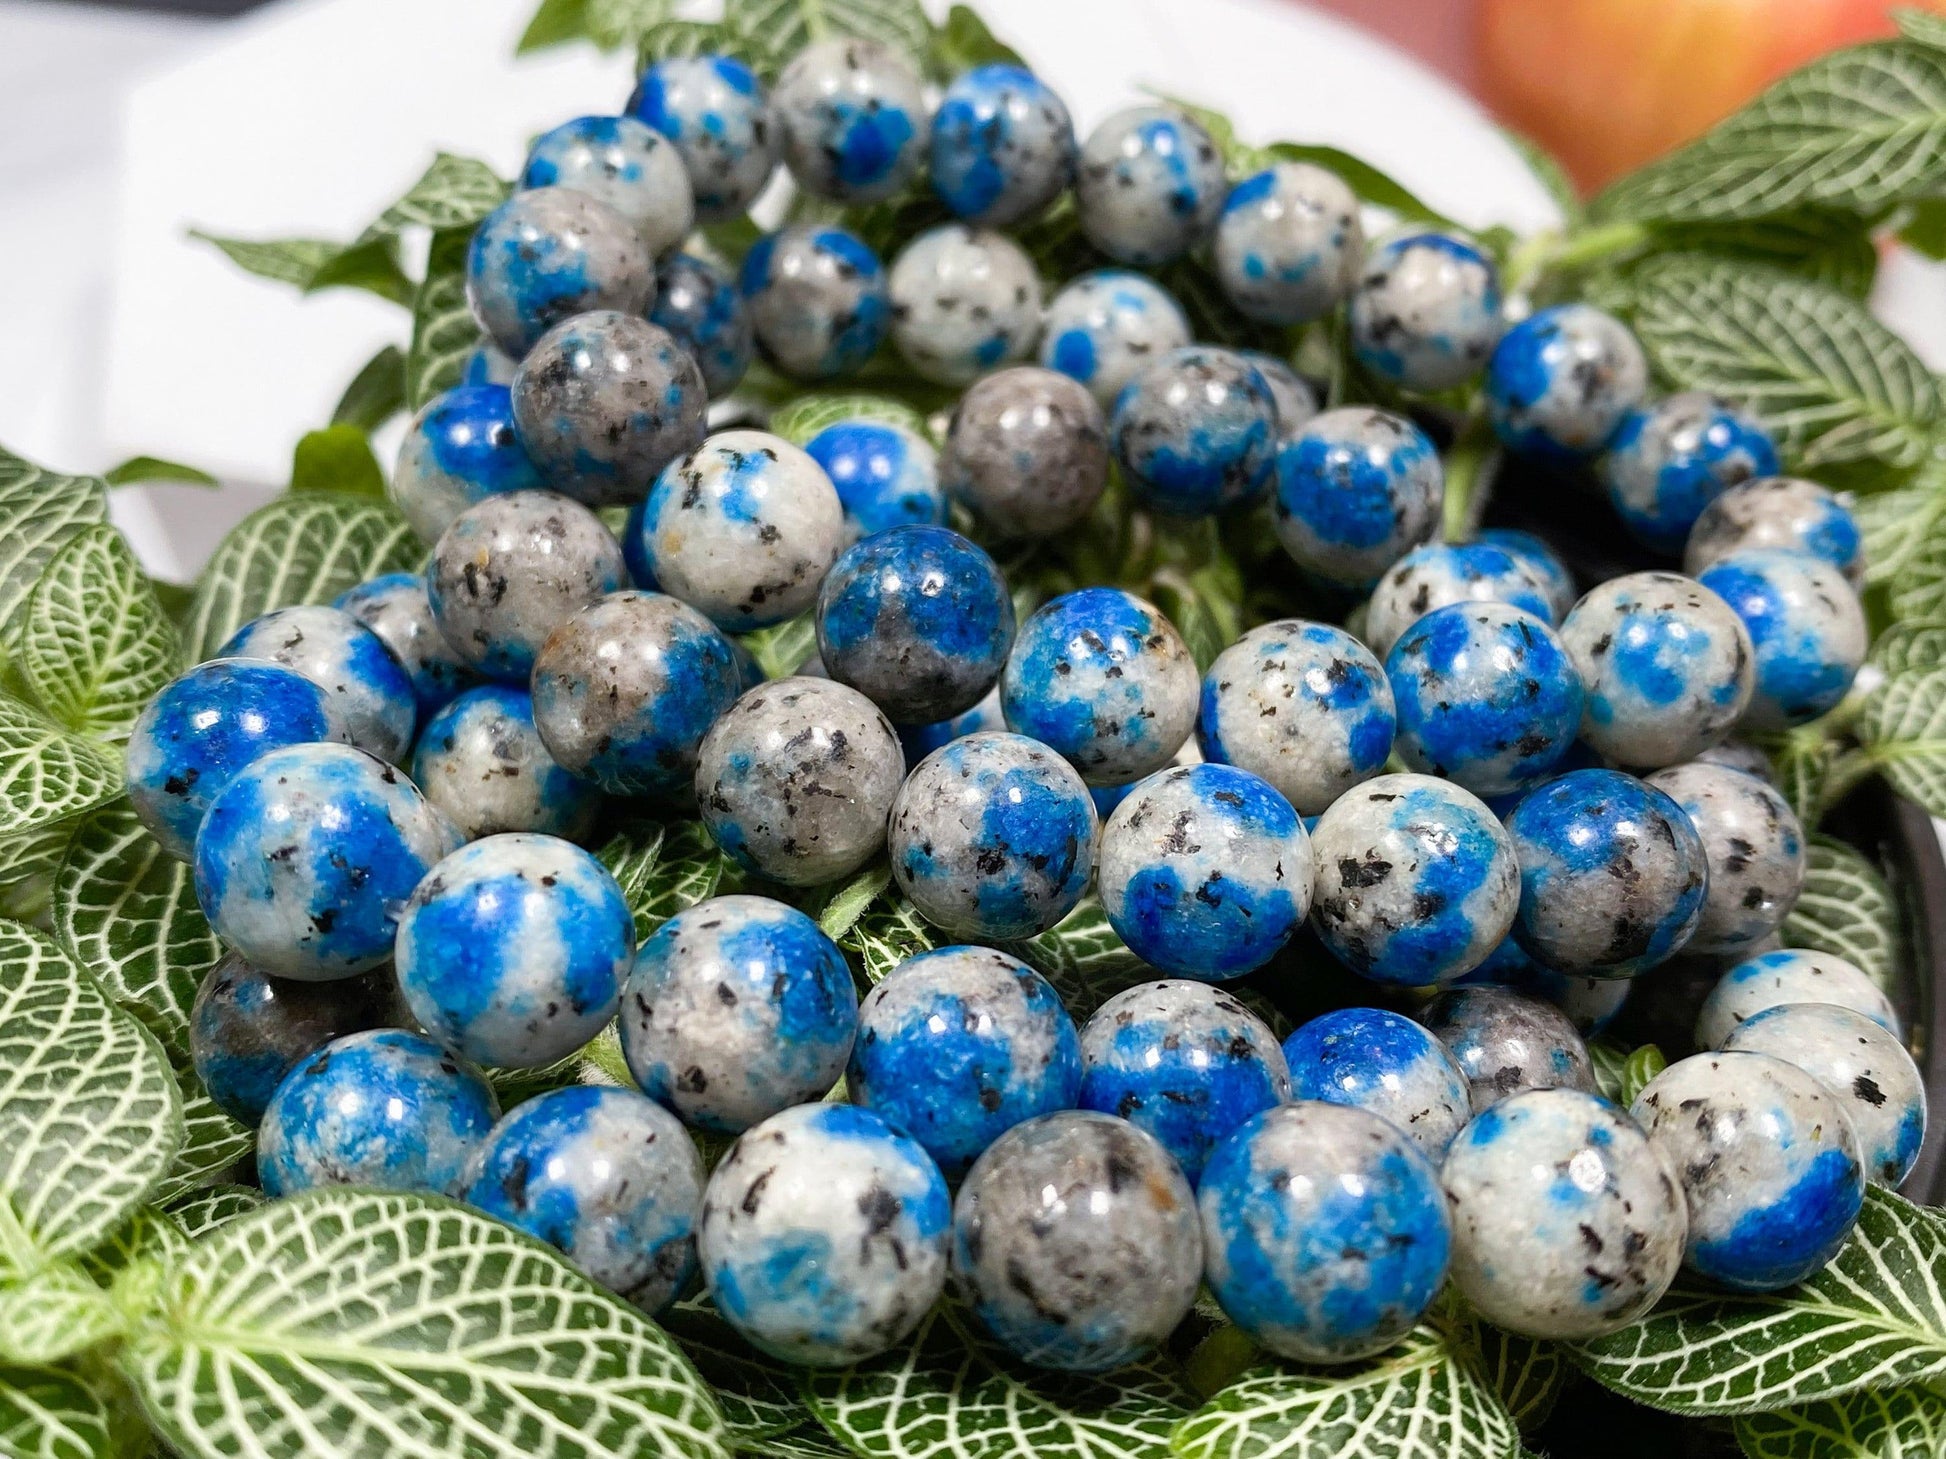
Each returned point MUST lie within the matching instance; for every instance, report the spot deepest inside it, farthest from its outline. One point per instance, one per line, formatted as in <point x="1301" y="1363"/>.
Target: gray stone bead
<point x="396" y="608"/>
<point x="483" y="763"/>
<point x="1288" y="244"/>
<point x="964" y="301"/>
<point x="1426" y="312"/>
<point x="511" y="569"/>
<point x="1567" y="1222"/>
<point x="817" y="298"/>
<point x="624" y="163"/>
<point x="1740" y="755"/>
<point x="604" y="401"/>
<point x="1506" y="1043"/>
<point x="853" y="117"/>
<point x="369" y="696"/>
<point x="1783" y="512"/>
<point x="1027" y="450"/>
<point x="1076" y="1240"/>
<point x="548" y="254"/>
<point x="714" y="109"/>
<point x="1440" y="574"/>
<point x="1791" y="975"/>
<point x="1149" y="185"/>
<point x="1296" y="401"/>
<point x="1104" y="326"/>
<point x="796" y="779"/>
<point x="1755" y="847"/>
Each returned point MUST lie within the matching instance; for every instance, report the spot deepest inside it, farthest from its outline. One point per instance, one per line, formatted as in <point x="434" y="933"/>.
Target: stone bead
<point x="460" y="447"/>
<point x="886" y="476"/>
<point x="1002" y="146"/>
<point x="625" y="690"/>
<point x="1806" y="625"/>
<point x="396" y="607"/>
<point x="1382" y="1062"/>
<point x="1768" y="1161"/>
<point x="625" y="163"/>
<point x="853" y="116"/>
<point x="1506" y="1043"/>
<point x="1356" y="489"/>
<point x="550" y="253"/>
<point x="1102" y="677"/>
<point x="956" y="1047"/>
<point x="1304" y="705"/>
<point x="1103" y="327"/>
<point x="1786" y="976"/>
<point x="1426" y="312"/>
<point x="1668" y="461"/>
<point x="1543" y="561"/>
<point x="993" y="837"/>
<point x="738" y="1007"/>
<point x="511" y="570"/>
<point x="818" y="300"/>
<point x="824" y="1235"/>
<point x="383" y="1109"/>
<point x="606" y="1177"/>
<point x="488" y="365"/>
<point x="1755" y="848"/>
<point x="1196" y="432"/>
<point x="604" y="401"/>
<point x="1027" y="451"/>
<point x="483" y="763"/>
<point x="964" y="301"/>
<point x="1149" y="185"/>
<point x="1205" y="871"/>
<point x="305" y="857"/>
<point x="1782" y="512"/>
<point x="714" y="109"/>
<point x="1416" y="880"/>
<point x="1441" y="574"/>
<point x="1567" y="1223"/>
<point x="744" y="528"/>
<point x="796" y="779"/>
<point x="367" y="693"/>
<point x="1325" y="1232"/>
<point x="699" y="305"/>
<point x="1076" y="1241"/>
<point x="1288" y="244"/>
<point x="1293" y="395"/>
<point x="1560" y="382"/>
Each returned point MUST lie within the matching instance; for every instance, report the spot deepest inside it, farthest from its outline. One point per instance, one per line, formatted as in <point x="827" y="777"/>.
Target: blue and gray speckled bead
<point x="698" y="303"/>
<point x="795" y="780"/>
<point x="1487" y="696"/>
<point x="1076" y="1241"/>
<point x="1288" y="243"/>
<point x="1426" y="312"/>
<point x="1357" y="489"/>
<point x="885" y="475"/>
<point x="610" y="1179"/>
<point x="1290" y="392"/>
<point x="488" y="365"/>
<point x="993" y="837"/>
<point x="1668" y="668"/>
<point x="714" y="109"/>
<point x="918" y="620"/>
<point x="1785" y="976"/>
<point x="484" y="764"/>
<point x="744" y="528"/>
<point x="1589" y="1003"/>
<point x="956" y="1047"/>
<point x="513" y="949"/>
<point x="1542" y="560"/>
<point x="1806" y="625"/>
<point x="204" y="727"/>
<point x="604" y="401"/>
<point x="1440" y="574"/>
<point x="1196" y="431"/>
<point x="818" y="300"/>
<point x="366" y="690"/>
<point x="1782" y="512"/>
<point x="964" y="301"/>
<point x="1325" y="1231"/>
<point x="738" y="1007"/>
<point x="1304" y="705"/>
<point x="512" y="569"/>
<point x="920" y="740"/>
<point x="1104" y="327"/>
<point x="306" y="856"/>
<point x="625" y="690"/>
<point x="1755" y="847"/>
<point x="1560" y="382"/>
<point x="1383" y="1062"/>
<point x="1862" y="1066"/>
<point x="1567" y="1222"/>
<point x="1506" y="1043"/>
<point x="1768" y="1161"/>
<point x="1416" y="880"/>
<point x="1002" y="145"/>
<point x="853" y="117"/>
<point x="1205" y="871"/>
<point x="624" y="163"/>
<point x="247" y="1030"/>
<point x="1105" y="679"/>
<point x="1613" y="876"/>
<point x="461" y="446"/>
<point x="384" y="1109"/>
<point x="824" y="1234"/>
<point x="1149" y="185"/>
<point x="396" y="607"/>
<point x="1669" y="461"/>
<point x="1027" y="451"/>
<point x="547" y="254"/>
<point x="1184" y="1061"/>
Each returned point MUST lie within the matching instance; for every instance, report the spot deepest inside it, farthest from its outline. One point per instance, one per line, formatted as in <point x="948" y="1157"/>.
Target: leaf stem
<point x="1552" y="250"/>
<point x="1470" y="468"/>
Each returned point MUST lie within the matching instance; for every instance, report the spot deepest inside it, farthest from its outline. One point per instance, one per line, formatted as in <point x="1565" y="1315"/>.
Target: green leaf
<point x="54" y="1313"/>
<point x="1897" y="526"/>
<point x="1902" y="1423"/>
<point x="212" y="1142"/>
<point x="1847" y="909"/>
<point x="1204" y="612"/>
<point x="782" y="28"/>
<point x="1923" y="26"/>
<point x="312" y="264"/>
<point x="1418" y="1401"/>
<point x="848" y="901"/>
<point x="1821" y="244"/>
<point x="1552" y="177"/>
<point x="348" y="1322"/>
<point x="1084" y="958"/>
<point x="886" y="934"/>
<point x="1527" y="1373"/>
<point x="1925" y="228"/>
<point x="30" y="860"/>
<point x="696" y="38"/>
<point x="1803" y="759"/>
<point x="376" y="393"/>
<point x="1642" y="1066"/>
<point x="1903" y="727"/>
<point x="618" y="24"/>
<point x="1370" y="184"/>
<point x="95" y="645"/>
<point x="964" y="42"/>
<point x="688" y="870"/>
<point x="806" y="415"/>
<point x="1860" y="129"/>
<point x="1919" y="582"/>
<point x="631" y="854"/>
<point x="306" y="548"/>
<point x="1833" y="384"/>
<point x="444" y="332"/>
<point x="1874" y="1318"/>
<point x="759" y="1396"/>
<point x="89" y="1115"/>
<point x="203" y="1211"/>
<point x="1608" y="1060"/>
<point x="138" y="470"/>
<point x="48" y="1414"/>
<point x="49" y="774"/>
<point x="371" y="264"/>
<point x="39" y="511"/>
<point x="555" y="23"/>
<point x="1912" y="646"/>
<point x="337" y="459"/>
<point x="130" y="1264"/>
<point x="454" y="193"/>
<point x="779" y="649"/>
